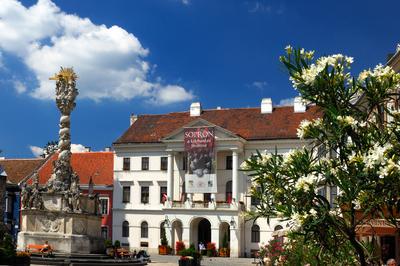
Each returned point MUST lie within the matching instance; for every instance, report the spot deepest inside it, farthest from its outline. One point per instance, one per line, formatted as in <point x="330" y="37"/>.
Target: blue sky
<point x="157" y="56"/>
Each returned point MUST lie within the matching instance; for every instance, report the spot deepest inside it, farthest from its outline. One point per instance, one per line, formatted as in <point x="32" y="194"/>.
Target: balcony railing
<point x="200" y="205"/>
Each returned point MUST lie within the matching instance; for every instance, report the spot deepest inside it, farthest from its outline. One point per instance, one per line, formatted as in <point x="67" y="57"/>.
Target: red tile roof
<point x="98" y="165"/>
<point x="247" y="123"/>
<point x="18" y="169"/>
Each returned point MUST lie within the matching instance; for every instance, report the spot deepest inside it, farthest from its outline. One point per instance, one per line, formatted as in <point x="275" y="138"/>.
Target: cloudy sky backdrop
<point x="157" y="56"/>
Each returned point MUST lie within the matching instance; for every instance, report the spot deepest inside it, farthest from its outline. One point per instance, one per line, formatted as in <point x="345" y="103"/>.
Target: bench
<point x="39" y="249"/>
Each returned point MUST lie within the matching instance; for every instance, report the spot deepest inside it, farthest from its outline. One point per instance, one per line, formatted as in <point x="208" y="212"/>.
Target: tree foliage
<point x="354" y="146"/>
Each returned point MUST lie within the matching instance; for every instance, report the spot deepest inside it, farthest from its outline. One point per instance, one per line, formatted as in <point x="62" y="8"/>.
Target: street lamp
<point x="232" y="222"/>
<point x="166" y="220"/>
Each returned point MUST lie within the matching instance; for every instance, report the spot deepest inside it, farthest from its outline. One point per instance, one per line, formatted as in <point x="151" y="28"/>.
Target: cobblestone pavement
<point x="158" y="260"/>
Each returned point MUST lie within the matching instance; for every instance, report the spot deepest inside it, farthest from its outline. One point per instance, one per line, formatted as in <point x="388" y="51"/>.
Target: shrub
<point x="164" y="240"/>
<point x="117" y="244"/>
<point x="107" y="243"/>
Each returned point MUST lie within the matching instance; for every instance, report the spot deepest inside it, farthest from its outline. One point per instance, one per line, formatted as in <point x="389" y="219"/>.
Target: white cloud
<point x="171" y="94"/>
<point x="36" y="151"/>
<point x="260" y="84"/>
<point x="77" y="148"/>
<point x="185" y="2"/>
<point x="19" y="86"/>
<point x="286" y="102"/>
<point x="109" y="61"/>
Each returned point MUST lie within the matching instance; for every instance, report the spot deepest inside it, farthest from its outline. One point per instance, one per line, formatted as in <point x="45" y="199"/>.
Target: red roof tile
<point x="18" y="169"/>
<point x="98" y="165"/>
<point x="247" y="123"/>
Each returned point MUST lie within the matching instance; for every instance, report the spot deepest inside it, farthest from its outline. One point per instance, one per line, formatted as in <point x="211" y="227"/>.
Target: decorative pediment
<point x="220" y="132"/>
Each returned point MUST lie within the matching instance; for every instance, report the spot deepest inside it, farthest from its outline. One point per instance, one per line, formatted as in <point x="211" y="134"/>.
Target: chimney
<point x="107" y="149"/>
<point x="299" y="105"/>
<point x="133" y="118"/>
<point x="87" y="149"/>
<point x="195" y="109"/>
<point x="266" y="106"/>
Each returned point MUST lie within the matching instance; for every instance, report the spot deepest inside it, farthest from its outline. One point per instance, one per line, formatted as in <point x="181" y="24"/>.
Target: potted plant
<point x="164" y="249"/>
<point x="179" y="246"/>
<point x="224" y="250"/>
<point x="211" y="250"/>
<point x="109" y="247"/>
<point x="189" y="257"/>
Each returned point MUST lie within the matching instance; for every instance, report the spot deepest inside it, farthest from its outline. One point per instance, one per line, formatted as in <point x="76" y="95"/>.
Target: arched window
<point x="278" y="227"/>
<point x="228" y="191"/>
<point x="255" y="234"/>
<point x="125" y="229"/>
<point x="144" y="230"/>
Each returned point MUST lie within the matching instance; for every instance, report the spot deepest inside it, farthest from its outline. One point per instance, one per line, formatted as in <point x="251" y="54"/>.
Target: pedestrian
<point x="391" y="262"/>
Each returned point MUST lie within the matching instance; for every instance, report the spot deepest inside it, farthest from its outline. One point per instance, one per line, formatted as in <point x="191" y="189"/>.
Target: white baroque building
<point x="149" y="176"/>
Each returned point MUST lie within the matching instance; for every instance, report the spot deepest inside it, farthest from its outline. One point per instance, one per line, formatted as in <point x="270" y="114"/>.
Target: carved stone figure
<point x="35" y="200"/>
<point x="26" y="192"/>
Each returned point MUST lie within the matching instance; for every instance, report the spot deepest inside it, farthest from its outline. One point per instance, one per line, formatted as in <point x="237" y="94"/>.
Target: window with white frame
<point x="126" y="194"/>
<point x="144" y="230"/>
<point x="103" y="205"/>
<point x="144" y="197"/>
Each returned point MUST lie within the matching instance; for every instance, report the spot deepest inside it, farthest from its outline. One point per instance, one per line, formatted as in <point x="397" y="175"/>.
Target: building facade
<point x="16" y="170"/>
<point x="152" y="166"/>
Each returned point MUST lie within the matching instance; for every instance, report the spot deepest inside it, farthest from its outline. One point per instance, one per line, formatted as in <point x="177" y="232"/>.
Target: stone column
<point x="235" y="239"/>
<point x="235" y="169"/>
<point x="170" y="176"/>
<point x="186" y="235"/>
<point x="215" y="236"/>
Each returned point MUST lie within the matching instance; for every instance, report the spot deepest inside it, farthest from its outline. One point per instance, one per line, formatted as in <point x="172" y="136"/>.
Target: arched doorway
<point x="176" y="232"/>
<point x="224" y="235"/>
<point x="200" y="231"/>
<point x="204" y="231"/>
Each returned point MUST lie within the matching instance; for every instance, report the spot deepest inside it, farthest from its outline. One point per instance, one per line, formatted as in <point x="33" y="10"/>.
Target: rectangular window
<point x="164" y="163"/>
<point x="126" y="194"/>
<point x="144" y="195"/>
<point x="228" y="162"/>
<point x="255" y="200"/>
<point x="104" y="232"/>
<point x="333" y="196"/>
<point x="322" y="191"/>
<point x="127" y="164"/>
<point x="163" y="194"/>
<point x="145" y="163"/>
<point x="104" y="206"/>
<point x="184" y="163"/>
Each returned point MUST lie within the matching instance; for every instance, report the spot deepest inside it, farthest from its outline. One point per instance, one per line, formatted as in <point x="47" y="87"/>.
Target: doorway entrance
<point x="204" y="232"/>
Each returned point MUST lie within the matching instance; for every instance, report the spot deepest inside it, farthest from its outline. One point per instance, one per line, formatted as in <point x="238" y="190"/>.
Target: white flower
<point x="264" y="158"/>
<point x="304" y="183"/>
<point x="347" y="120"/>
<point x="303" y="128"/>
<point x="313" y="212"/>
<point x="245" y="165"/>
<point x="289" y="49"/>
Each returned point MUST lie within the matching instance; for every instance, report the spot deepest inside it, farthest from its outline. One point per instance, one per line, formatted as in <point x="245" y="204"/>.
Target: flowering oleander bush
<point x="353" y="146"/>
<point x="274" y="250"/>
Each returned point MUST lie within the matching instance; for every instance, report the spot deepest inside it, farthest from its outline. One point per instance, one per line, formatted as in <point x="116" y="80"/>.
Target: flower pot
<point x="163" y="250"/>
